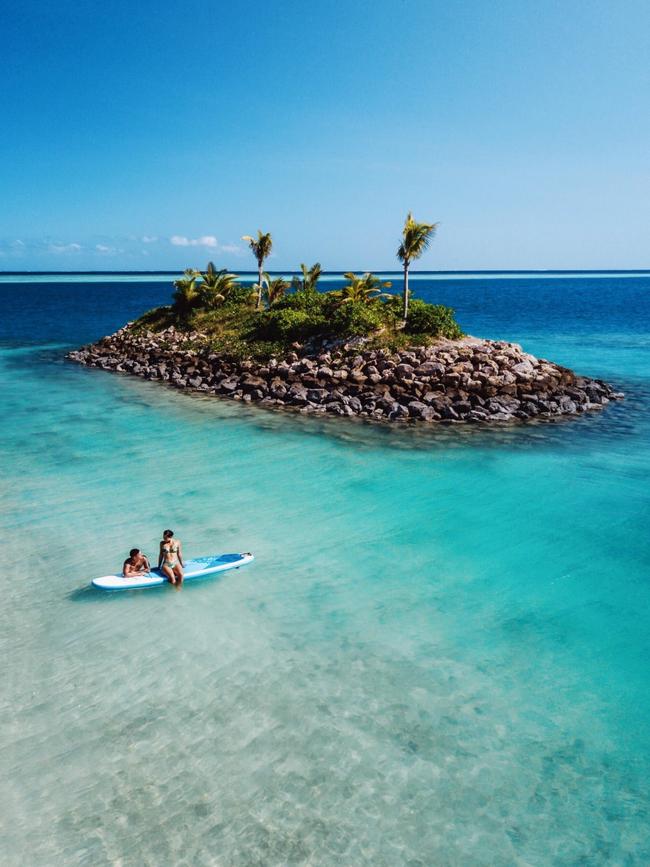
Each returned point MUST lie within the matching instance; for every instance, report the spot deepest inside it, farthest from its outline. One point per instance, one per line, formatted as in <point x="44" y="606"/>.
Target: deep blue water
<point x="438" y="657"/>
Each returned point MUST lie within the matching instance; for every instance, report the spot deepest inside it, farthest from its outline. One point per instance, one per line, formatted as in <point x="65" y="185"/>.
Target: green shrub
<point x="434" y="319"/>
<point x="242" y="294"/>
<point x="306" y="300"/>
<point x="357" y="318"/>
<point x="299" y="317"/>
<point x="282" y="323"/>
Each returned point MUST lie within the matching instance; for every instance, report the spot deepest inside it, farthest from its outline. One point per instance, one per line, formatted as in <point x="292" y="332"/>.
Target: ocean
<point x="439" y="656"/>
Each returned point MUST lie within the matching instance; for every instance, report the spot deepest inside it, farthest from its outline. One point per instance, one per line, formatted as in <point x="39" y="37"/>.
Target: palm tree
<point x="416" y="237"/>
<point x="275" y="289"/>
<point x="215" y="286"/>
<point x="310" y="277"/>
<point x="186" y="295"/>
<point x="362" y="289"/>
<point x="261" y="247"/>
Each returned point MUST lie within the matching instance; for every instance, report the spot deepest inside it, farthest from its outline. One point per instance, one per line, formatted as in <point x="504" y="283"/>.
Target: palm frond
<point x="215" y="286"/>
<point x="362" y="289"/>
<point x="276" y="289"/>
<point x="416" y="238"/>
<point x="185" y="296"/>
<point x="261" y="246"/>
<point x="310" y="277"/>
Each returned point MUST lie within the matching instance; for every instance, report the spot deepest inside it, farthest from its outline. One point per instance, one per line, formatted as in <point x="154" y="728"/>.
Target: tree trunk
<point x="406" y="291"/>
<point x="260" y="272"/>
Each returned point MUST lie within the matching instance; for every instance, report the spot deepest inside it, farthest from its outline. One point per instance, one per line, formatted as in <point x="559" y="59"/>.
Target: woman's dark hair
<point x="133" y="552"/>
<point x="168" y="532"/>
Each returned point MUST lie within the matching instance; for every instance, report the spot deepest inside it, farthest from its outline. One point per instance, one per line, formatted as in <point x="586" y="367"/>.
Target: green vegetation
<point x="272" y="314"/>
<point x="362" y="290"/>
<point x="309" y="279"/>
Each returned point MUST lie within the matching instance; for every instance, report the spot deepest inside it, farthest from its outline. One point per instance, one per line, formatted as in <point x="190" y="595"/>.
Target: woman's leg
<point x="178" y="572"/>
<point x="168" y="572"/>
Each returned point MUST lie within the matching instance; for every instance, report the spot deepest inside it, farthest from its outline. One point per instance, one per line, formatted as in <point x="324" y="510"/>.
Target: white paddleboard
<point x="198" y="567"/>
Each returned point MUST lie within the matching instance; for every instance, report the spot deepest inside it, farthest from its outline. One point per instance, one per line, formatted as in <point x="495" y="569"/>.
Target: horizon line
<point x="412" y="272"/>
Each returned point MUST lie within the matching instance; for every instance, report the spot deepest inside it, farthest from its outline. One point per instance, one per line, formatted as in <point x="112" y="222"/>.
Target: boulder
<point x="355" y="404"/>
<point x="462" y="407"/>
<point x="297" y="394"/>
<point x="429" y="369"/>
<point x="404" y="371"/>
<point x="399" y="412"/>
<point x="317" y="395"/>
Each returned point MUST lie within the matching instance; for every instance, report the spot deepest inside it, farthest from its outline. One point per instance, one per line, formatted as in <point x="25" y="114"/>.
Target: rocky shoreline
<point x="450" y="382"/>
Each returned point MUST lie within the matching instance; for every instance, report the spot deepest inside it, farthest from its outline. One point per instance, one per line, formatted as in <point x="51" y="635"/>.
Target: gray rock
<point x="297" y="394"/>
<point x="430" y="368"/>
<point x="462" y="407"/>
<point x="316" y="395"/>
<point x="355" y="404"/>
<point x="416" y="408"/>
<point x="404" y="371"/>
<point x="448" y="412"/>
<point x="566" y="404"/>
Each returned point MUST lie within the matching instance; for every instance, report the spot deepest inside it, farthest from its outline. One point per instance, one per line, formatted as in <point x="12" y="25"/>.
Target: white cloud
<point x="149" y="239"/>
<point x="102" y="248"/>
<point x="231" y="248"/>
<point x="64" y="248"/>
<point x="203" y="241"/>
<point x="14" y="248"/>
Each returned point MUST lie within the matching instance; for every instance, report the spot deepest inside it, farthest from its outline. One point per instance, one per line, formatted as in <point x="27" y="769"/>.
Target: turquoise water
<point x="439" y="656"/>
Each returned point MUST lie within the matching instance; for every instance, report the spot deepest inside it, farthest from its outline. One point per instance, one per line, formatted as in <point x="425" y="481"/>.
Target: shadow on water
<point x="90" y="594"/>
<point x="624" y="419"/>
<point x="627" y="418"/>
<point x="83" y="594"/>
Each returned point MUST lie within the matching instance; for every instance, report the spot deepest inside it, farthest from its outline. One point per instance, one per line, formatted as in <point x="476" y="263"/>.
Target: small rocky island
<point x="447" y="381"/>
<point x="354" y="351"/>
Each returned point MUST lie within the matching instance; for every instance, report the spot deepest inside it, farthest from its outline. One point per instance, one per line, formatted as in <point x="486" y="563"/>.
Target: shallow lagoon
<point x="438" y="657"/>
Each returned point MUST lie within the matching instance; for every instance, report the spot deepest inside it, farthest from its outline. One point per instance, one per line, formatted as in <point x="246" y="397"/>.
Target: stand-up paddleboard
<point x="199" y="567"/>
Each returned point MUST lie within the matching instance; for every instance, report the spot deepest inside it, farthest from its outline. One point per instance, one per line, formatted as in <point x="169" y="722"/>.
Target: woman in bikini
<point x="170" y="561"/>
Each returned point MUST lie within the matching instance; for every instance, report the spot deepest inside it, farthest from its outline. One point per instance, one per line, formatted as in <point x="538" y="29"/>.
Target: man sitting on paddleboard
<point x="136" y="564"/>
<point x="170" y="559"/>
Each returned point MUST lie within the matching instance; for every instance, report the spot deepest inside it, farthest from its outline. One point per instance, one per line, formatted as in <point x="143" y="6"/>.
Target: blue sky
<point x="154" y="135"/>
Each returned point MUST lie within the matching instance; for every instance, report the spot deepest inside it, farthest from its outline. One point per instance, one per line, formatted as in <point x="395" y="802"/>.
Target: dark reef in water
<point x="466" y="380"/>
